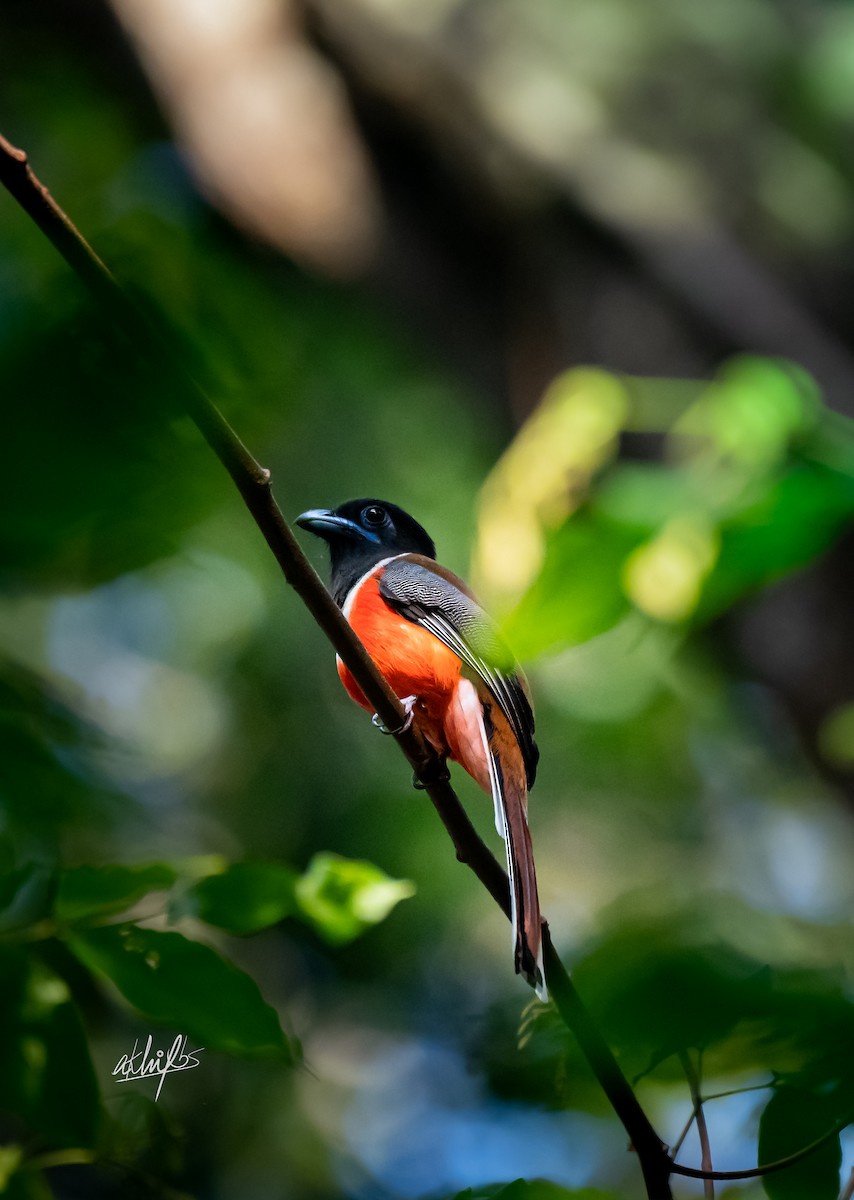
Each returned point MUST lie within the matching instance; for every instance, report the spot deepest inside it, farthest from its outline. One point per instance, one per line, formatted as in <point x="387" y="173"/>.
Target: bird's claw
<point x="409" y="708"/>
<point x="441" y="774"/>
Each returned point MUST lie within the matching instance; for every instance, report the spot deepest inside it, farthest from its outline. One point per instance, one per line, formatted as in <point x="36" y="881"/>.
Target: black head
<point x="360" y="534"/>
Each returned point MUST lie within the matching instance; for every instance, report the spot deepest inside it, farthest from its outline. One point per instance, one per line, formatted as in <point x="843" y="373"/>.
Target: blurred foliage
<point x="190" y="812"/>
<point x="340" y="898"/>
<point x="744" y="493"/>
<point x="535" y="1189"/>
<point x="792" y="1112"/>
<point x="343" y="898"/>
<point x="47" y="1079"/>
<point x="246" y="897"/>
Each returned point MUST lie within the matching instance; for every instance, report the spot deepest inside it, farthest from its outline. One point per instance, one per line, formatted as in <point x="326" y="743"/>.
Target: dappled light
<point x="542" y="476"/>
<point x="664" y="577"/>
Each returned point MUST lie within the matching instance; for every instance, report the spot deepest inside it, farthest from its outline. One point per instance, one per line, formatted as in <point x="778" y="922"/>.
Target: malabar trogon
<point x="443" y="657"/>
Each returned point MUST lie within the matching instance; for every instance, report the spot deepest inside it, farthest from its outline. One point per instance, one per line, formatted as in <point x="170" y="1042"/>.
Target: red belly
<point x="414" y="661"/>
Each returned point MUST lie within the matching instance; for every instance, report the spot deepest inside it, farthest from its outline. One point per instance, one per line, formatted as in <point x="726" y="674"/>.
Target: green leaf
<point x="94" y="891"/>
<point x="243" y="899"/>
<point x="753" y="410"/>
<point x="644" y="496"/>
<point x="140" y="1128"/>
<point x="10" y="1160"/>
<point x="578" y="593"/>
<point x="29" y="1185"/>
<point x="50" y="780"/>
<point x="793" y="1118"/>
<point x="25" y="896"/>
<point x="797" y="519"/>
<point x="657" y="994"/>
<point x="186" y="985"/>
<point x="46" y="1075"/>
<point x="14" y="977"/>
<point x="109" y="471"/>
<point x="343" y="897"/>
<point x="67" y="1109"/>
<point x="744" y="505"/>
<point x="533" y="1189"/>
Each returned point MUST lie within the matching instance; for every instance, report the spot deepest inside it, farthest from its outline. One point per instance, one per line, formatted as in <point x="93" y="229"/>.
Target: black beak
<point x="326" y="524"/>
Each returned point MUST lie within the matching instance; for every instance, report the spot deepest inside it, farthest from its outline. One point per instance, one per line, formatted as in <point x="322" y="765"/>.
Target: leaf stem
<point x="693" y="1078"/>
<point x="779" y="1164"/>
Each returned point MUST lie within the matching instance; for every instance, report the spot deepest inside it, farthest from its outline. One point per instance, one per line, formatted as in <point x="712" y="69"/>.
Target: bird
<point x="443" y="657"/>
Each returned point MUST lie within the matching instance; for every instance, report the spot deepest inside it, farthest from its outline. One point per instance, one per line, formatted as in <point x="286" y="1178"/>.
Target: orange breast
<point x="414" y="661"/>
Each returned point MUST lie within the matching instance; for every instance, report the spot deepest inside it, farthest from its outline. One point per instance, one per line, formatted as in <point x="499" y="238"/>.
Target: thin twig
<point x="253" y="483"/>
<point x="847" y="1192"/>
<point x="686" y="1129"/>
<point x="741" y="1091"/>
<point x="706" y="1165"/>
<point x="779" y="1164"/>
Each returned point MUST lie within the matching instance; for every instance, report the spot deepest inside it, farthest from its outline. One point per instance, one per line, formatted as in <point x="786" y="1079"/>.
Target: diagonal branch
<point x="253" y="482"/>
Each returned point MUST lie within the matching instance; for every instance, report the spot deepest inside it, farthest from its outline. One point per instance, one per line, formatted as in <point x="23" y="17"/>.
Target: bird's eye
<point x="374" y="515"/>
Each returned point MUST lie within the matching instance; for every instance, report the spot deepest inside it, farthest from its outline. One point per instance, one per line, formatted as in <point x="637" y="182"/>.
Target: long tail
<point x="510" y="796"/>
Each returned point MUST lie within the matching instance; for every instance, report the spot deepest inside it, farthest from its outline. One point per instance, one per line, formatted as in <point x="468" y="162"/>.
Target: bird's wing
<point x="434" y="598"/>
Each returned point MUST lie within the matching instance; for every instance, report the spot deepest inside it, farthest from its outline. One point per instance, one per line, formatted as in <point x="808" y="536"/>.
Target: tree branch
<point x="693" y="1078"/>
<point x="778" y="1164"/>
<point x="253" y="482"/>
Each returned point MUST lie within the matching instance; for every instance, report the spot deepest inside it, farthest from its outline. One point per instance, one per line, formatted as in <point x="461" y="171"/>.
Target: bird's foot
<point x="437" y="774"/>
<point x="409" y="708"/>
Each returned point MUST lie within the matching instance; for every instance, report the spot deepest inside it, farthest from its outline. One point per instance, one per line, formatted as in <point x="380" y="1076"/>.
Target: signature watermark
<point x="141" y="1064"/>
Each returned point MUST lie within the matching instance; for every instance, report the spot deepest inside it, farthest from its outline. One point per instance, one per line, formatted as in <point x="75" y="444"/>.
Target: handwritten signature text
<point x="141" y="1064"/>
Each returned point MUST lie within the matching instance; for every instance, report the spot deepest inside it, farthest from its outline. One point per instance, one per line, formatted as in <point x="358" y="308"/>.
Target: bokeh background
<point x="572" y="282"/>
